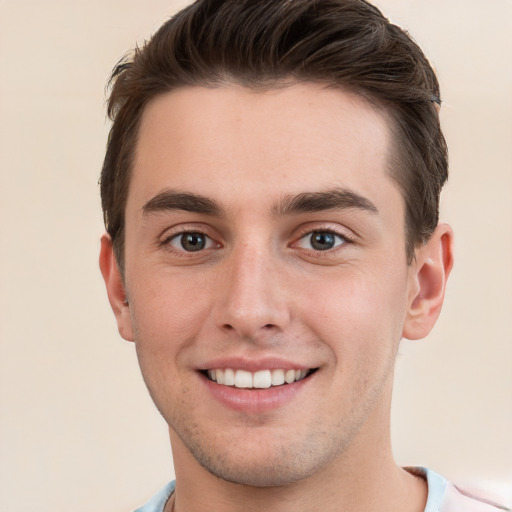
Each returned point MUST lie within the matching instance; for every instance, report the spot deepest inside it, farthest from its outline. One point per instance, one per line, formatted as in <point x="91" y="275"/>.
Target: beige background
<point x="77" y="430"/>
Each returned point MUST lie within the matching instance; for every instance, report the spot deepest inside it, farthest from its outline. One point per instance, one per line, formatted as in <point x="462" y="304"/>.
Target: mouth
<point x="262" y="379"/>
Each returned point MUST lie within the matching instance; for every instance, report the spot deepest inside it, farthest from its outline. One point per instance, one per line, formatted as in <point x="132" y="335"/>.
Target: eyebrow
<point x="333" y="199"/>
<point x="306" y="202"/>
<point x="171" y="200"/>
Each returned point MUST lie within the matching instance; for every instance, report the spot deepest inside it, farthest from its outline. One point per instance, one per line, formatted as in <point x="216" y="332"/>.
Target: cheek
<point x="358" y="312"/>
<point x="167" y="312"/>
<point x="166" y="318"/>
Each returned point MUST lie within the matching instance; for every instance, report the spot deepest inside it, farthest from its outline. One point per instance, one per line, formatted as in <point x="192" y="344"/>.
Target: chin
<point x="268" y="473"/>
<point x="254" y="462"/>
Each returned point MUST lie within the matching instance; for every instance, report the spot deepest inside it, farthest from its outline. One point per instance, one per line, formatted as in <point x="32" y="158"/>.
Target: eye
<point x="191" y="241"/>
<point x="321" y="241"/>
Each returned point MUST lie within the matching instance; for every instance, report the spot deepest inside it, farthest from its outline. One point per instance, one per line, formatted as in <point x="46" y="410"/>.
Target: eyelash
<point x="342" y="239"/>
<point x="167" y="242"/>
<point x="211" y="243"/>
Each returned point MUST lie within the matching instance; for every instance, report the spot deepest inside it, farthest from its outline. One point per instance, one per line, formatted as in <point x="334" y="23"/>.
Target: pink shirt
<point x="443" y="496"/>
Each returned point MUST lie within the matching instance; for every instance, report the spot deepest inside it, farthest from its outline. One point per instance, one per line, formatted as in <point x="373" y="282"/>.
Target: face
<point x="266" y="277"/>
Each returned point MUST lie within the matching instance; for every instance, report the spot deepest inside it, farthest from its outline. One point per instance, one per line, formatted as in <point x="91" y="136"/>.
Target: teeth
<point x="277" y="377"/>
<point x="260" y="380"/>
<point x="229" y="377"/>
<point x="289" y="376"/>
<point x="243" y="379"/>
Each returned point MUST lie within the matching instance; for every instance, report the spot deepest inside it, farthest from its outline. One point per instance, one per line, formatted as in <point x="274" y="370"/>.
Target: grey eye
<point x="321" y="240"/>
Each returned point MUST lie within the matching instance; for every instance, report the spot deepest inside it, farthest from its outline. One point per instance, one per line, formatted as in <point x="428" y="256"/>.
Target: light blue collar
<point x="158" y="501"/>
<point x="436" y="489"/>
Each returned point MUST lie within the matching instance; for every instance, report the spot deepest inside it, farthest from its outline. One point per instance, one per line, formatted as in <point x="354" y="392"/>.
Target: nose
<point x="252" y="296"/>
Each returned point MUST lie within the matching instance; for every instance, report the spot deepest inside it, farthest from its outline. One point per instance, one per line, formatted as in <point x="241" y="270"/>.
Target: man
<point x="270" y="191"/>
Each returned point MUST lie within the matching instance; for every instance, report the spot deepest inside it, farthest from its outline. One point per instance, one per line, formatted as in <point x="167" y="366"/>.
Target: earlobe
<point x="115" y="288"/>
<point x="427" y="283"/>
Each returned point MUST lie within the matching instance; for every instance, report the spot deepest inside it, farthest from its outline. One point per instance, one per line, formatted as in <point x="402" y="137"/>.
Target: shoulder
<point x="443" y="496"/>
<point x="457" y="499"/>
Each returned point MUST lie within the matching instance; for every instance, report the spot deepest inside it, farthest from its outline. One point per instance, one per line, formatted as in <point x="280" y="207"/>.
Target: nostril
<point x="229" y="327"/>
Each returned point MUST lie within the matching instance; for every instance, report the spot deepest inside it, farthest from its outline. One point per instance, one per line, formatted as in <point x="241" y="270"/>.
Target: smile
<point x="261" y="379"/>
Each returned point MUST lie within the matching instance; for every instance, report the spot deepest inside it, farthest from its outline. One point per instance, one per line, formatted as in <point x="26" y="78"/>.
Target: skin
<point x="260" y="293"/>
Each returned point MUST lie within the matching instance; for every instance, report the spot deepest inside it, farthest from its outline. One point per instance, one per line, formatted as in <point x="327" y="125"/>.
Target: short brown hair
<point x="347" y="44"/>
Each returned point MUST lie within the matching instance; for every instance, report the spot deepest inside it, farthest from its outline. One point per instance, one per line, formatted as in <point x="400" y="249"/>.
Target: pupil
<point x="192" y="242"/>
<point x="322" y="241"/>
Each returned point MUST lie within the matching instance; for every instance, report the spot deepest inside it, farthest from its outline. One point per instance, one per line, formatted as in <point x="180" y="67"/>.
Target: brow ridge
<point x="306" y="202"/>
<point x="336" y="198"/>
<point x="169" y="200"/>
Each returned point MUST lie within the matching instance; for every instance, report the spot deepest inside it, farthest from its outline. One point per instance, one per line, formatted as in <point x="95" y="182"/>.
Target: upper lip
<point x="254" y="365"/>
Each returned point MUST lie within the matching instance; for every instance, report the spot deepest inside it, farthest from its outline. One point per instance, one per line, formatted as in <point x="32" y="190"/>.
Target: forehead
<point x="230" y="141"/>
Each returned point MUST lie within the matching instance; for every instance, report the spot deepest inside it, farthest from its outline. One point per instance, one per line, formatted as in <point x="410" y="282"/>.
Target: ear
<point x="427" y="283"/>
<point x="115" y="288"/>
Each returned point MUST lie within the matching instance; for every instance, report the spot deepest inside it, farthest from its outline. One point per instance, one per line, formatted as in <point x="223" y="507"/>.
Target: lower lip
<point x="255" y="400"/>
